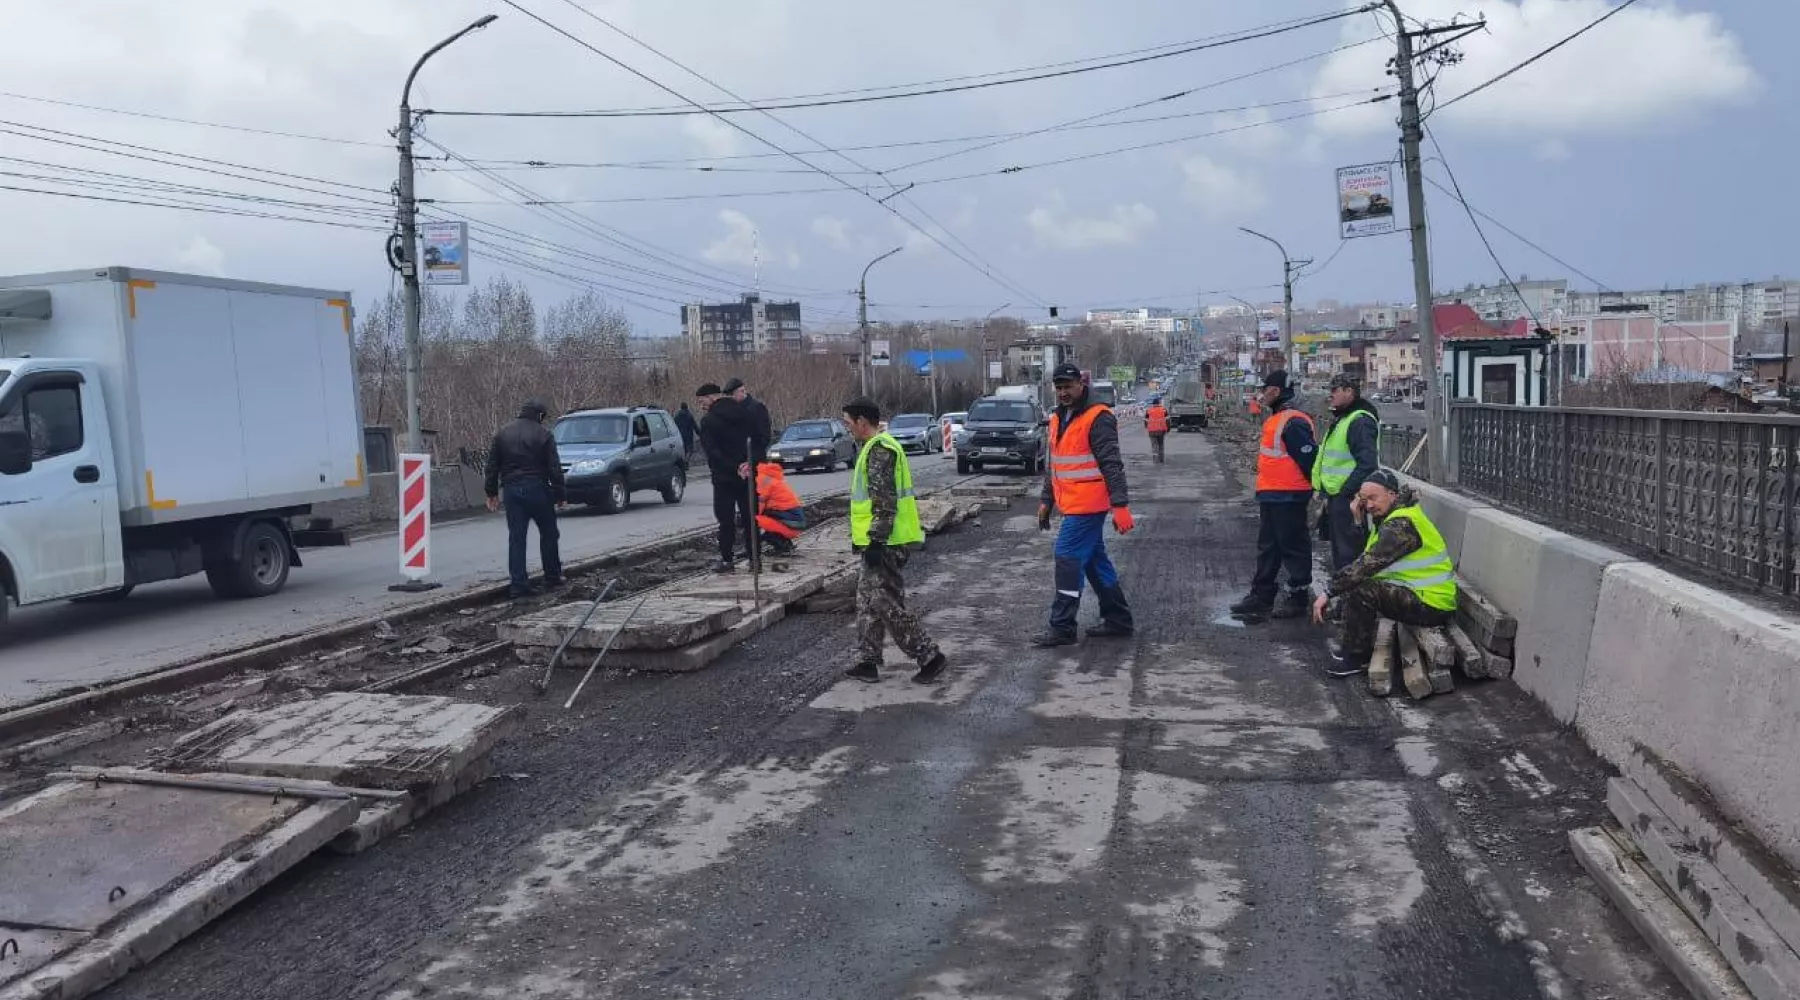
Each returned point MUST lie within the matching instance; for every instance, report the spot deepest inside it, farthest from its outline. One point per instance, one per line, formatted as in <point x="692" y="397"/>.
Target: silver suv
<point x="610" y="453"/>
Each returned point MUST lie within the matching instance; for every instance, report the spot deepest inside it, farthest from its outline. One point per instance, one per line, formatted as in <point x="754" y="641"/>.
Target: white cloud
<point x="738" y="245"/>
<point x="1123" y="225"/>
<point x="1646" y="65"/>
<point x="1219" y="190"/>
<point x="201" y="257"/>
<point x="833" y="230"/>
<point x="713" y="136"/>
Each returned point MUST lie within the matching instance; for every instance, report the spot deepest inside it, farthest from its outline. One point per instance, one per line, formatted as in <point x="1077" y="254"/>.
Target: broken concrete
<point x="783" y="587"/>
<point x="662" y="623"/>
<point x="700" y="654"/>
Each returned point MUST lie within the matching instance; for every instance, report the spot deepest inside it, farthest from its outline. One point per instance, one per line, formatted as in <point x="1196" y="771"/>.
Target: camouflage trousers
<point x="1378" y="599"/>
<point x="881" y="612"/>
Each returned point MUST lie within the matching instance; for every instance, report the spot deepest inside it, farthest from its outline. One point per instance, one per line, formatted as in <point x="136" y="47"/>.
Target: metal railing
<point x="1397" y="444"/>
<point x="1712" y="492"/>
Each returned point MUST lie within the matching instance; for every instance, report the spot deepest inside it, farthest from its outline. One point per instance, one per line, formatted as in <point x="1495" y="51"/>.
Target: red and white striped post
<point x="949" y="439"/>
<point x="415" y="524"/>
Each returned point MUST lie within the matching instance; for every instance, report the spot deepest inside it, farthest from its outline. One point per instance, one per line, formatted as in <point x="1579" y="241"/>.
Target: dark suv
<point x="1002" y="430"/>
<point x="608" y="454"/>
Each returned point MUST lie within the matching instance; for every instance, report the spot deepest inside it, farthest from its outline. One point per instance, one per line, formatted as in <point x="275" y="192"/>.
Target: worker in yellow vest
<point x="1350" y="452"/>
<point x="1405" y="573"/>
<point x="1283" y="492"/>
<point x="884" y="529"/>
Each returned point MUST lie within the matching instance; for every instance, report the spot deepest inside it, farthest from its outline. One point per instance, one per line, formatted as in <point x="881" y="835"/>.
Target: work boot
<point x="521" y="593"/>
<point x="1346" y="663"/>
<point x="552" y="582"/>
<point x="932" y="670"/>
<point x="869" y="672"/>
<point x="1254" y="605"/>
<point x="1109" y="630"/>
<point x="1296" y="603"/>
<point x="1052" y="637"/>
<point x="724" y="566"/>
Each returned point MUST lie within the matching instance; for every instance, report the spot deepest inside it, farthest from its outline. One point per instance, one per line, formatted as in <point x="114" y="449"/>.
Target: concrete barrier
<point x="1450" y="512"/>
<point x="1706" y="682"/>
<point x="454" y="488"/>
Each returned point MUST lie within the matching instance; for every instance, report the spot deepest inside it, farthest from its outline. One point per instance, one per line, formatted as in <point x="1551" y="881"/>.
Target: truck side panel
<point x="189" y="406"/>
<point x="287" y="443"/>
<point x="343" y="415"/>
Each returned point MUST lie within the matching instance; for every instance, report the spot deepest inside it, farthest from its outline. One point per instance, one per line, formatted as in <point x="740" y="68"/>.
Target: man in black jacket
<point x="1283" y="491"/>
<point x="523" y="462"/>
<point x="689" y="428"/>
<point x="732" y="438"/>
<point x="736" y="389"/>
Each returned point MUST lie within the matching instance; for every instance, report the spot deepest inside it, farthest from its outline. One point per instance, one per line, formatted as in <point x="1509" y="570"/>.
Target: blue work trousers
<point x="1081" y="556"/>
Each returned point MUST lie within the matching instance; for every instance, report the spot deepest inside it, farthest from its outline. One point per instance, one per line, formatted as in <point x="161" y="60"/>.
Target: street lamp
<point x="409" y="240"/>
<point x="985" y="385"/>
<point x="862" y="321"/>
<point x="1288" y="270"/>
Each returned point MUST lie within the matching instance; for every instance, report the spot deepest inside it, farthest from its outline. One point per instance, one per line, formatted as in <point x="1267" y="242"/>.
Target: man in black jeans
<point x="523" y="462"/>
<point x="731" y="437"/>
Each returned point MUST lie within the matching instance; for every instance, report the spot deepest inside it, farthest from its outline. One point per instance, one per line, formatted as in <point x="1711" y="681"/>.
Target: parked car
<point x="917" y="431"/>
<point x="814" y="444"/>
<point x="1002" y="430"/>
<point x="609" y="454"/>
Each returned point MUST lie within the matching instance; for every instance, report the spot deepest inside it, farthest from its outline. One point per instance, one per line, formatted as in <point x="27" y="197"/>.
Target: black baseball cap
<point x="733" y="384"/>
<point x="708" y="389"/>
<point x="1277" y="378"/>
<point x="1066" y="373"/>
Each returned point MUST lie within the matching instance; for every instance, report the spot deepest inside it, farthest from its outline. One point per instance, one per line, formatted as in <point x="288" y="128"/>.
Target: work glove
<point x="1122" y="520"/>
<point x="1043" y="517"/>
<point x="872" y="554"/>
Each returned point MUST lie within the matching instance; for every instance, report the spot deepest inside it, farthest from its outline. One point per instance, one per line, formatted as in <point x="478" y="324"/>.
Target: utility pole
<point x="931" y="360"/>
<point x="862" y="316"/>
<point x="1411" y="133"/>
<point x="986" y="386"/>
<point x="1289" y="268"/>
<point x="407" y="258"/>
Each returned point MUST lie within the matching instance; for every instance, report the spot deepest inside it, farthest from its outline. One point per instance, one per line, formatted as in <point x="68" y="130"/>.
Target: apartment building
<point x="739" y="329"/>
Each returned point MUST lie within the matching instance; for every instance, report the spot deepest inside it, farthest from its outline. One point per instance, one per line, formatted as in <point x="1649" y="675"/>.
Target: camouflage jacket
<point x="1395" y="539"/>
<point x="884" y="491"/>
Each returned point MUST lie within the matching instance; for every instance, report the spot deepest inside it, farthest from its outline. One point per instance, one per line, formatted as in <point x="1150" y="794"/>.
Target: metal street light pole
<point x="862" y="317"/>
<point x="931" y="360"/>
<point x="1288" y="269"/>
<point x="409" y="241"/>
<point x="1255" y="324"/>
<point x="986" y="386"/>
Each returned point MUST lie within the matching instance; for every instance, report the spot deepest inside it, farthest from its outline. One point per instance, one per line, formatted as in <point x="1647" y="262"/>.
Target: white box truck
<point x="156" y="425"/>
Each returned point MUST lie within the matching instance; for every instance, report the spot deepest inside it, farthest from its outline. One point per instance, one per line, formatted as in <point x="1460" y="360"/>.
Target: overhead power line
<point x="194" y="121"/>
<point x="746" y="106"/>
<point x="1591" y="25"/>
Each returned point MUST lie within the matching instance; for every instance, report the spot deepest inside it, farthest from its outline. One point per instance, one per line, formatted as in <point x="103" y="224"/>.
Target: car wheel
<point x="616" y="496"/>
<point x="261" y="570"/>
<point x="675" y="488"/>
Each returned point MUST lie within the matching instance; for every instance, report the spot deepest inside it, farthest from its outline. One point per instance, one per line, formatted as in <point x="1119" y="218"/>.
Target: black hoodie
<point x="723" y="431"/>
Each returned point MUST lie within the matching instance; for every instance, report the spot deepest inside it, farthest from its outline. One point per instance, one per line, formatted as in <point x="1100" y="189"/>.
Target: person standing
<point x="737" y="390"/>
<point x="884" y="529"/>
<point x="1156" y="421"/>
<point x="1350" y="453"/>
<point x="689" y="428"/>
<point x="1086" y="481"/>
<point x="1405" y="574"/>
<point x="730" y="438"/>
<point x="523" y="466"/>
<point x="1283" y="493"/>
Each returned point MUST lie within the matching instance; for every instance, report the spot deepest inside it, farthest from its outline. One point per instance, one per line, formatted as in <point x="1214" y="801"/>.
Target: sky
<point x="1656" y="149"/>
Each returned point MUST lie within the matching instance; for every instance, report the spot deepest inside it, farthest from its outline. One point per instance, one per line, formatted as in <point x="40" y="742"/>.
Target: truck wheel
<point x="261" y="570"/>
<point x="106" y="598"/>
<point x="675" y="488"/>
<point x="616" y="496"/>
<point x="962" y="466"/>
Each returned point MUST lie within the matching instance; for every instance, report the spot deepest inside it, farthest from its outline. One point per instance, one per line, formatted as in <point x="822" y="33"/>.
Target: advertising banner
<point x="446" y="253"/>
<point x="1366" y="200"/>
<point x="880" y="355"/>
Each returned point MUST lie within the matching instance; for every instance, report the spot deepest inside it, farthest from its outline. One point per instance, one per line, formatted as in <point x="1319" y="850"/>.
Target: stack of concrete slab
<point x="642" y="633"/>
<point x="1486" y="630"/>
<point x="1722" y="912"/>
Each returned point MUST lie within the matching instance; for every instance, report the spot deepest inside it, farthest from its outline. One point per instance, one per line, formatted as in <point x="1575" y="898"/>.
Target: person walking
<point x="1086" y="481"/>
<point x="1405" y="574"/>
<point x="1350" y="453"/>
<point x="730" y="437"/>
<point x="884" y="529"/>
<point x="1283" y="492"/>
<point x="1156" y="421"/>
<point x="523" y="467"/>
<point x="689" y="428"/>
<point x="779" y="512"/>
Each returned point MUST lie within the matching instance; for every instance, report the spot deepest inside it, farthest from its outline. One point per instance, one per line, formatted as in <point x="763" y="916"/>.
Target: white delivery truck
<point x="155" y="425"/>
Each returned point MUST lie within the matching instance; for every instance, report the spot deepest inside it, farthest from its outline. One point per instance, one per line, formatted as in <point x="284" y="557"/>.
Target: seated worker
<point x="1404" y="574"/>
<point x="778" y="510"/>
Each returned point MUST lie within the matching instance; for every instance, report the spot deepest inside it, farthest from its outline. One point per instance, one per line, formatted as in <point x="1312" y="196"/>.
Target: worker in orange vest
<point x="1156" y="421"/>
<point x="1086" y="480"/>
<point x="779" y="512"/>
<point x="1283" y="493"/>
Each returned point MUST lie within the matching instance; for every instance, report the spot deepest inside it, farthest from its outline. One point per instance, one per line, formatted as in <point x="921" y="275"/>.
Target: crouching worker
<point x="778" y="510"/>
<point x="1404" y="574"/>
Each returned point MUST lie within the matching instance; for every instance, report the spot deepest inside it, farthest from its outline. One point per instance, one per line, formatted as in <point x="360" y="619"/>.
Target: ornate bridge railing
<point x="1713" y="492"/>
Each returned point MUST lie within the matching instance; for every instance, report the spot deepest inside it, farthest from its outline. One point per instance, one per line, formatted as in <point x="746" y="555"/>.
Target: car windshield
<point x="599" y="428"/>
<point x="1000" y="410"/>
<point x="811" y="430"/>
<point x="905" y="420"/>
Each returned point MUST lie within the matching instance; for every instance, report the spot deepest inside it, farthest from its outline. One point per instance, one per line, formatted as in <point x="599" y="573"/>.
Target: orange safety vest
<point x="1157" y="420"/>
<point x="772" y="489"/>
<point x="1075" y="478"/>
<point x="1275" y="468"/>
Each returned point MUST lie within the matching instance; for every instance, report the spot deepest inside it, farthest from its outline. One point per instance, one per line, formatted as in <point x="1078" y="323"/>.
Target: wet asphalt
<point x="1196" y="812"/>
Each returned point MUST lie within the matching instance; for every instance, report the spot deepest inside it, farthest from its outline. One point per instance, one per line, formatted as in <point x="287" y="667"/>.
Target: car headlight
<point x="774" y="452"/>
<point x="589" y="467"/>
<point x="815" y="453"/>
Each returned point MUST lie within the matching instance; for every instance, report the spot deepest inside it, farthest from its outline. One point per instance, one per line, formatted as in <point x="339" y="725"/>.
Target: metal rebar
<point x="603" y="651"/>
<point x="549" y="671"/>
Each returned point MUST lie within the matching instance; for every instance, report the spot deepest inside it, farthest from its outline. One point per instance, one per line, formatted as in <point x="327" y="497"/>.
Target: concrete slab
<point x="777" y="587"/>
<point x="700" y="654"/>
<point x="662" y="623"/>
<point x="36" y="948"/>
<point x="1709" y="684"/>
<point x="367" y="740"/>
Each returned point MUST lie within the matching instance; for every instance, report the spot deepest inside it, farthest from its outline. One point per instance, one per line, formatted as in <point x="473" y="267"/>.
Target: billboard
<point x="996" y="369"/>
<point x="880" y="355"/>
<point x="1122" y="374"/>
<point x="446" y="253"/>
<point x="1366" y="200"/>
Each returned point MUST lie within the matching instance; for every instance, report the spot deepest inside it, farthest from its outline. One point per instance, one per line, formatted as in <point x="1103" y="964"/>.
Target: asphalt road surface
<point x="1197" y="812"/>
<point x="53" y="648"/>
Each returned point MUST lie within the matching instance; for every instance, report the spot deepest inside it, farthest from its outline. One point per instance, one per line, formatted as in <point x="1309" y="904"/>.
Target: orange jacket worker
<point x="1086" y="480"/>
<point x="1283" y="491"/>
<point x="779" y="512"/>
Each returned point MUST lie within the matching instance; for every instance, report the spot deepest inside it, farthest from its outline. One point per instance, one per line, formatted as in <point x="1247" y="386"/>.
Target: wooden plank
<point x="1438" y="654"/>
<point x="1412" y="666"/>
<point x="1470" y="657"/>
<point x="1381" y="662"/>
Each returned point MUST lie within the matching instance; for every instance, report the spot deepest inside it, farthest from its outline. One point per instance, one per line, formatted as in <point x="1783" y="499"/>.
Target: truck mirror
<point x="15" y="453"/>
